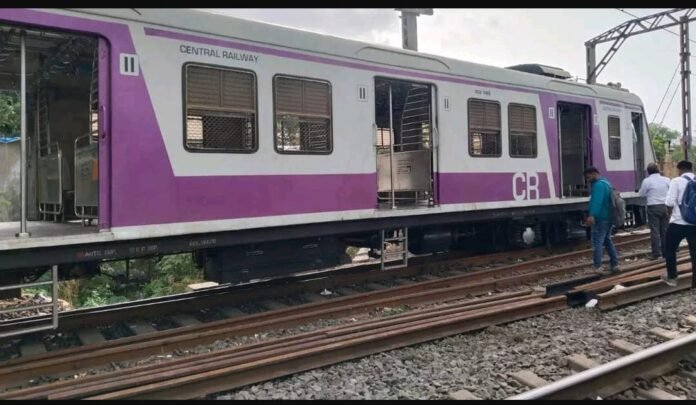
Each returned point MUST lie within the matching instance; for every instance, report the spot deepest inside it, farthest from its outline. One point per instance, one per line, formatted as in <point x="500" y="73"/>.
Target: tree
<point x="661" y="134"/>
<point x="9" y="112"/>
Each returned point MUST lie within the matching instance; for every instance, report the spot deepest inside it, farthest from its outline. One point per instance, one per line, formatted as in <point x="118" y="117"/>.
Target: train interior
<point x="576" y="147"/>
<point x="404" y="160"/>
<point x="62" y="121"/>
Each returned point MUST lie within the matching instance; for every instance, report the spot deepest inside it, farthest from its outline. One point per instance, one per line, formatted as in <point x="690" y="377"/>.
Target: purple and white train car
<point x="156" y="131"/>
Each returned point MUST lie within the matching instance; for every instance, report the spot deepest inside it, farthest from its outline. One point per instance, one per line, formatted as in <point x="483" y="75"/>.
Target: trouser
<point x="658" y="219"/>
<point x="675" y="234"/>
<point x="601" y="237"/>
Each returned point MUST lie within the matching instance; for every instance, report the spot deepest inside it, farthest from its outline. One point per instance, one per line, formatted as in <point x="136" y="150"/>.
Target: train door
<point x="404" y="121"/>
<point x="61" y="78"/>
<point x="575" y="143"/>
<point x="638" y="147"/>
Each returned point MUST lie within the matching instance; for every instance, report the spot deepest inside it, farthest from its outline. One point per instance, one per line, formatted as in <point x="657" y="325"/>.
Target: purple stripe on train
<point x="624" y="180"/>
<point x="230" y="197"/>
<point x="457" y="188"/>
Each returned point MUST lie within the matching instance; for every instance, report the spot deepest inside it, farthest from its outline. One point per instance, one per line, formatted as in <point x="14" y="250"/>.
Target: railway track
<point x="206" y="373"/>
<point x="96" y="325"/>
<point x="449" y="289"/>
<point x="639" y="365"/>
<point x="200" y="375"/>
<point x="634" y="370"/>
<point x="421" y="268"/>
<point x="265" y="289"/>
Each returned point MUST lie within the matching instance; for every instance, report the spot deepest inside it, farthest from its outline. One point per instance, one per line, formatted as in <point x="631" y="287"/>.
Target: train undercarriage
<point x="252" y="261"/>
<point x="239" y="256"/>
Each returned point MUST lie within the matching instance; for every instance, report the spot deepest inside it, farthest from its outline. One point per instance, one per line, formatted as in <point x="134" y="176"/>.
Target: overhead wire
<point x="673" y="76"/>
<point x="668" y="105"/>
<point x="666" y="91"/>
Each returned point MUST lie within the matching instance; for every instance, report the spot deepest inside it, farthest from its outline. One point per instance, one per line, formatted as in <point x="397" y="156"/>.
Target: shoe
<point x="604" y="271"/>
<point x="672" y="282"/>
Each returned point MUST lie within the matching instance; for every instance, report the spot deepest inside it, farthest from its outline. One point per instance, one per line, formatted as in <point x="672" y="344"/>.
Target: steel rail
<point x="581" y="385"/>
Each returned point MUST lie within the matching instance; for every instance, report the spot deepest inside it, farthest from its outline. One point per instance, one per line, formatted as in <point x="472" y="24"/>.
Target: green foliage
<point x="660" y="134"/>
<point x="9" y="205"/>
<point x="99" y="291"/>
<point x="146" y="278"/>
<point x="171" y="275"/>
<point x="41" y="290"/>
<point x="9" y="112"/>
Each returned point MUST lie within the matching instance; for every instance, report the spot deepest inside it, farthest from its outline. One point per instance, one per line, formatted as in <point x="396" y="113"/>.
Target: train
<point x="263" y="150"/>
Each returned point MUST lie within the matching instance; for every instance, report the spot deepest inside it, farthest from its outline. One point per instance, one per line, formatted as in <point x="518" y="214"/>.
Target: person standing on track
<point x="654" y="188"/>
<point x="678" y="228"/>
<point x="600" y="210"/>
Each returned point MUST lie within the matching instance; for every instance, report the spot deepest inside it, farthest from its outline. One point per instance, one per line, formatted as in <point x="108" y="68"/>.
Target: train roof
<point x="275" y="35"/>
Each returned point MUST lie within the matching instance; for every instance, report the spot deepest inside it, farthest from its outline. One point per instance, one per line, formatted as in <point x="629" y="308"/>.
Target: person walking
<point x="654" y="188"/>
<point x="678" y="228"/>
<point x="600" y="210"/>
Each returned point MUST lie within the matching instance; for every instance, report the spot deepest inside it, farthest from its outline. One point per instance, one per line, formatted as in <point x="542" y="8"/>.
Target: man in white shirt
<point x="678" y="229"/>
<point x="654" y="188"/>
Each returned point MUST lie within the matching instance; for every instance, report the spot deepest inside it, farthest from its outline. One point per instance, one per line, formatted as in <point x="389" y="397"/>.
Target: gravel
<point x="210" y="315"/>
<point x="481" y="362"/>
<point x="28" y="300"/>
<point x="116" y="331"/>
<point x="9" y="350"/>
<point x="163" y="323"/>
<point x="60" y="341"/>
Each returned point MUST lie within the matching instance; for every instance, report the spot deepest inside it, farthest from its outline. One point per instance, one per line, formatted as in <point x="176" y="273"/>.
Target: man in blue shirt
<point x="599" y="218"/>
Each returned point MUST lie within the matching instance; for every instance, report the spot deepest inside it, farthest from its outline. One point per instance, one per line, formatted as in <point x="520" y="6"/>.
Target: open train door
<point x="575" y="147"/>
<point x="404" y="119"/>
<point x="87" y="147"/>
<point x="100" y="131"/>
<point x="60" y="79"/>
<point x="64" y="79"/>
<point x="638" y="147"/>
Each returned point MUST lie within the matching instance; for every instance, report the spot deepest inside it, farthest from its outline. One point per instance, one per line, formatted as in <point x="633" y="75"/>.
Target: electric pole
<point x="653" y="22"/>
<point x="409" y="26"/>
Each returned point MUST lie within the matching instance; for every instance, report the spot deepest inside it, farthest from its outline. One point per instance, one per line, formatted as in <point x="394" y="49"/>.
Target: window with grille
<point x="220" y="110"/>
<point x="484" y="128"/>
<point x="614" y="137"/>
<point x="522" y="127"/>
<point x="302" y="115"/>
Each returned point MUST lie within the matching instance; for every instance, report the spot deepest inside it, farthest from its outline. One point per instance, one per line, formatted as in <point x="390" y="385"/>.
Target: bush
<point x="147" y="278"/>
<point x="172" y="274"/>
<point x="98" y="291"/>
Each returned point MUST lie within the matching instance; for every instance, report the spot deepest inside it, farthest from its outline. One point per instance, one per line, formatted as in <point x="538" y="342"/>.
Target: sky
<point x="645" y="64"/>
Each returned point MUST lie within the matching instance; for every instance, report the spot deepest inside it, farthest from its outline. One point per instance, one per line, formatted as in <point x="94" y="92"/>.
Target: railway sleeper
<point x="580" y="363"/>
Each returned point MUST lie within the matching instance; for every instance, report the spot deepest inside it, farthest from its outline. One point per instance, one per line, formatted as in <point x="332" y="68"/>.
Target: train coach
<point x="263" y="149"/>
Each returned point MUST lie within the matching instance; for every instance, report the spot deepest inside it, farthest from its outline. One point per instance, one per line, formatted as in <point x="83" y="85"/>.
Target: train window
<point x="484" y="128"/>
<point x="522" y="129"/>
<point x="220" y="108"/>
<point x="614" y="137"/>
<point x="302" y="115"/>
